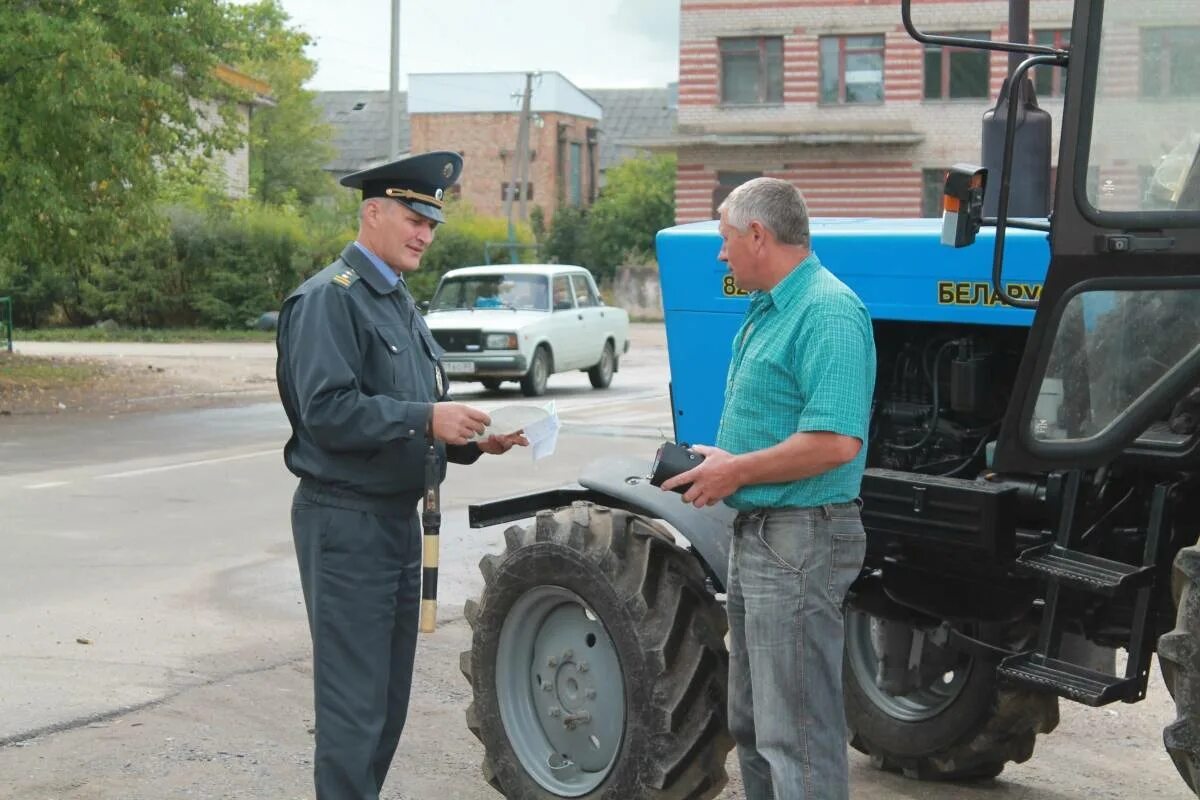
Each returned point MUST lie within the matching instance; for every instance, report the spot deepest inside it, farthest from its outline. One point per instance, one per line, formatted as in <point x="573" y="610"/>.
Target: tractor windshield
<point x="1146" y="123"/>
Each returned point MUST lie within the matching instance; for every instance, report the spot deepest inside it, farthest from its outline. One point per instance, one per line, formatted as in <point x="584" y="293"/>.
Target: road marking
<point x="48" y="485"/>
<point x="203" y="462"/>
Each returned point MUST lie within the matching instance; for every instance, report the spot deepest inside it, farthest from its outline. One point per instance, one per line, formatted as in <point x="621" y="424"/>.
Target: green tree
<point x="289" y="141"/>
<point x="564" y="242"/>
<point x="638" y="200"/>
<point x="102" y="102"/>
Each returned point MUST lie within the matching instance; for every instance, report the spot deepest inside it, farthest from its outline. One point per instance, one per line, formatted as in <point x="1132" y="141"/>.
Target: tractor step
<point x="1068" y="680"/>
<point x="1085" y="571"/>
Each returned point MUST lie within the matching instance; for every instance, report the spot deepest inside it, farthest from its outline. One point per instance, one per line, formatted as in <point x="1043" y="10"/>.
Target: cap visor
<point x="424" y="209"/>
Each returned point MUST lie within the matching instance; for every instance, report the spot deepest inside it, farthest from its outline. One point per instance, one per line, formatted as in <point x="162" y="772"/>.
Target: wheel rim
<point x="540" y="371"/>
<point x="916" y="706"/>
<point x="606" y="363"/>
<point x="561" y="691"/>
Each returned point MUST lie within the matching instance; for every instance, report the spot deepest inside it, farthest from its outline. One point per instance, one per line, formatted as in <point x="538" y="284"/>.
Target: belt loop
<point x="827" y="511"/>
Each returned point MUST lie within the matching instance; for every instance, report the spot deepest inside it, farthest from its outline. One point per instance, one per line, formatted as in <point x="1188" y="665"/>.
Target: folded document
<point x="540" y="424"/>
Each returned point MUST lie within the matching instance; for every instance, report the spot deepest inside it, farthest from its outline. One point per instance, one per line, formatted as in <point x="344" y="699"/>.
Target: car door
<point x="592" y="312"/>
<point x="1115" y="345"/>
<point x="566" y="325"/>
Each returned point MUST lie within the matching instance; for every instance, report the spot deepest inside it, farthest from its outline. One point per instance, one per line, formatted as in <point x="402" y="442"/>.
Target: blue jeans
<point x="789" y="570"/>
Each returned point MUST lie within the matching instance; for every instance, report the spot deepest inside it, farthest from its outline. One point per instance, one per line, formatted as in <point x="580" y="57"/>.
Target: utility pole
<point x="394" y="85"/>
<point x="520" y="166"/>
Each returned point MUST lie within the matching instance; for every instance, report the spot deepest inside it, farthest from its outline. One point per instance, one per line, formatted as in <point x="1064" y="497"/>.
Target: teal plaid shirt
<point x="803" y="360"/>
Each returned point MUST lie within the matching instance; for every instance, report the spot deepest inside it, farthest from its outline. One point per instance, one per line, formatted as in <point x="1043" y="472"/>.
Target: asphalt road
<point x="152" y="636"/>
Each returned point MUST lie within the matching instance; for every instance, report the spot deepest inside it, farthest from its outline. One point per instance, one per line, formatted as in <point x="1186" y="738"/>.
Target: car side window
<point x="585" y="295"/>
<point x="563" y="299"/>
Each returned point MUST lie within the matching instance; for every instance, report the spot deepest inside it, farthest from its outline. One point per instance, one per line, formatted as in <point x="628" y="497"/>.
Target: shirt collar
<point x="789" y="290"/>
<point x="388" y="275"/>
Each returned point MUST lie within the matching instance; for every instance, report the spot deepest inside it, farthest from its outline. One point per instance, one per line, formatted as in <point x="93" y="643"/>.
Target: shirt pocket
<point x="391" y="370"/>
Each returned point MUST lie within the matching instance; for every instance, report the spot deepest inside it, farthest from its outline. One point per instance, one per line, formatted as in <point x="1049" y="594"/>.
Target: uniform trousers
<point x="360" y="571"/>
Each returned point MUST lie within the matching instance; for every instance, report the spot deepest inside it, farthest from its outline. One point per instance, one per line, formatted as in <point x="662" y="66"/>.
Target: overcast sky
<point x="594" y="43"/>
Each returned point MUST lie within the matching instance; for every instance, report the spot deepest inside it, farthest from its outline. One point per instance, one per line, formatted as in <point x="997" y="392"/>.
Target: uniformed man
<point x="360" y="378"/>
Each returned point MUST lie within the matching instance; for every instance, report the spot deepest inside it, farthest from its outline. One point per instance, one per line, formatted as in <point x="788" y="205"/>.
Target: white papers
<point x="540" y="424"/>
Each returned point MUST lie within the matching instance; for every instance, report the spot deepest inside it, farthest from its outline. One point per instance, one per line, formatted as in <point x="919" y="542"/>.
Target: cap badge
<point x="448" y="170"/>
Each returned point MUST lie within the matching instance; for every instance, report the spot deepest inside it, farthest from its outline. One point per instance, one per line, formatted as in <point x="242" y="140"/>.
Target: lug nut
<point x="567" y="655"/>
<point x="552" y="662"/>
<point x="590" y="694"/>
<point x="546" y="687"/>
<point x="583" y="666"/>
<point x="555" y="711"/>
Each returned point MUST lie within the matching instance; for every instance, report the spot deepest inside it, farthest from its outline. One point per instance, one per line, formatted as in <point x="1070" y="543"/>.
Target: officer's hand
<point x="498" y="445"/>
<point x="455" y="423"/>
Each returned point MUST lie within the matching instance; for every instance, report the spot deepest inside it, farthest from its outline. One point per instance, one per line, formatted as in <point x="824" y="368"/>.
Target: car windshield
<point x="492" y="291"/>
<point x="1146" y="123"/>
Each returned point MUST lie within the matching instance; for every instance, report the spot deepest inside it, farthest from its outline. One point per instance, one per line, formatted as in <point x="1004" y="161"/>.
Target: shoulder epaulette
<point x="345" y="277"/>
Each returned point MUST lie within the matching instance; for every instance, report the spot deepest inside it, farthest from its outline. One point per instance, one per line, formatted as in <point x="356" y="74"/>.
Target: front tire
<point x="601" y="375"/>
<point x="534" y="382"/>
<point x="598" y="663"/>
<point x="954" y="723"/>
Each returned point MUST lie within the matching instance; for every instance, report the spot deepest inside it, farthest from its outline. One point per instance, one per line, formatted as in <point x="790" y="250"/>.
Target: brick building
<point x="360" y="122"/>
<point x="835" y="96"/>
<point x="475" y="114"/>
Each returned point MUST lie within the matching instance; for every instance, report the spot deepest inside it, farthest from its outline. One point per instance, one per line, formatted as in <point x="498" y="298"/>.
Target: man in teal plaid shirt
<point x="789" y="457"/>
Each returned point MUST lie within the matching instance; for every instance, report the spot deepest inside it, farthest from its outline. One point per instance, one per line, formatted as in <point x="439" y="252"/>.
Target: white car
<point x="524" y="322"/>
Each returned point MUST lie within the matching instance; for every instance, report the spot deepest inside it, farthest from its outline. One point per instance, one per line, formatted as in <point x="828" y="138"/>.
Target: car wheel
<point x="601" y="374"/>
<point x="534" y="382"/>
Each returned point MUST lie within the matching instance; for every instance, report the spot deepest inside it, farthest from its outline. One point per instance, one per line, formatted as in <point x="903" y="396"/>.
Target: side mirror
<point x="962" y="204"/>
<point x="424" y="306"/>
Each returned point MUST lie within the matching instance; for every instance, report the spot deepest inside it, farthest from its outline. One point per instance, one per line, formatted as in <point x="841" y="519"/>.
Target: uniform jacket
<point x="358" y="373"/>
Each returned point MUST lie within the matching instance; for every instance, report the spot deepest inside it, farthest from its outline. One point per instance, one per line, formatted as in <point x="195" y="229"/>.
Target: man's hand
<point x="455" y="423"/>
<point x="716" y="478"/>
<point x="498" y="445"/>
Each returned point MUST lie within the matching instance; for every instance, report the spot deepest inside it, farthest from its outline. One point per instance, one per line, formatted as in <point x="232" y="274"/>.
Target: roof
<point x="496" y="92"/>
<point x="517" y="269"/>
<point x="632" y="114"/>
<point x="259" y="90"/>
<point x="361" y="128"/>
<point x="361" y="135"/>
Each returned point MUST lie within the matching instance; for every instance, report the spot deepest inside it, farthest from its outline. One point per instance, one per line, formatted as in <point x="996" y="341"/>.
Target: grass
<point x="24" y="372"/>
<point x="92" y="334"/>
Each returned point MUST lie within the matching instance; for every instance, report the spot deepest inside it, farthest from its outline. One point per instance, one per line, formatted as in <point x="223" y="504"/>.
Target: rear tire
<point x="601" y="375"/>
<point x="534" y="382"/>
<point x="962" y="725"/>
<point x="597" y="613"/>
<point x="1179" y="659"/>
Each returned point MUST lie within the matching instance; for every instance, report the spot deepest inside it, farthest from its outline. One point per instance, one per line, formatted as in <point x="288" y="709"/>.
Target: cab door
<point x="1115" y="344"/>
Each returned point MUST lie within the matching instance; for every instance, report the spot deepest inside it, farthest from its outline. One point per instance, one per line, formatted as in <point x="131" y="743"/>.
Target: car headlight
<point x="500" y="341"/>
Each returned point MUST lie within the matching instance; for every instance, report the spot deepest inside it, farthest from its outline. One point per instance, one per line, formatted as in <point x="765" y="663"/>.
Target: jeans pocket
<point x="787" y="543"/>
<point x="845" y="562"/>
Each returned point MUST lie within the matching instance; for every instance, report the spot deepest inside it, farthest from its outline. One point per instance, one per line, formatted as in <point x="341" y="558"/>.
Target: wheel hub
<point x="562" y="692"/>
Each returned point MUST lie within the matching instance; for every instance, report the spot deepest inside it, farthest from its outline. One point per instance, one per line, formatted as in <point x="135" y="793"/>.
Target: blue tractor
<point x="1031" y="500"/>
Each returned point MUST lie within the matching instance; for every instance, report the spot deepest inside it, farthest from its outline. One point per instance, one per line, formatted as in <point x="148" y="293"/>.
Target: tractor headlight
<point x="500" y="341"/>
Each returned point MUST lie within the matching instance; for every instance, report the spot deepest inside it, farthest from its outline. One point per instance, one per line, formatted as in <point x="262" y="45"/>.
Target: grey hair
<point x="775" y="204"/>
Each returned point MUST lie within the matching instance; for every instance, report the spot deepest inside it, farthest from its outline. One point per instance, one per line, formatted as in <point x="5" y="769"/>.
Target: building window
<point x="517" y="194"/>
<point x="752" y="70"/>
<point x="1051" y="81"/>
<point x="1171" y="62"/>
<point x="953" y="73"/>
<point x="575" y="176"/>
<point x="726" y="183"/>
<point x="851" y="69"/>
<point x="933" y="186"/>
